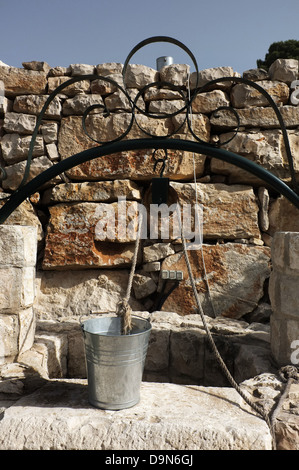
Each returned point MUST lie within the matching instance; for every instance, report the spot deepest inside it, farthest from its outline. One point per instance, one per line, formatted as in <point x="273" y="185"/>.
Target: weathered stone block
<point x="15" y="148"/>
<point x="15" y="172"/>
<point x="19" y="81"/>
<point x="27" y="326"/>
<point x="209" y="101"/>
<point x="82" y="86"/>
<point x="251" y="117"/>
<point x="33" y="104"/>
<point x="9" y="334"/>
<point x="285" y="70"/>
<point x="79" y="235"/>
<point x="236" y="274"/>
<point x="228" y="211"/>
<point x="18" y="246"/>
<point x="143" y="286"/>
<point x="17" y="288"/>
<point x="19" y="123"/>
<point x="284" y="334"/>
<point x="243" y="95"/>
<point x="138" y="76"/>
<point x="24" y="215"/>
<point x="80" y="292"/>
<point x="137" y="165"/>
<point x="96" y="191"/>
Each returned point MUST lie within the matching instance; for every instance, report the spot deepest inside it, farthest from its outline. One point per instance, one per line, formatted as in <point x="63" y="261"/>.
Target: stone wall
<point x="77" y="272"/>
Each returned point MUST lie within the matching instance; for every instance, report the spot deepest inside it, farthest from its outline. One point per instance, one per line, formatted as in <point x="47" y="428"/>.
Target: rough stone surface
<point x="20" y="82"/>
<point x="244" y="95"/>
<point x="204" y="420"/>
<point x="136" y="165"/>
<point x="15" y="148"/>
<point x="98" y="191"/>
<point x="229" y="212"/>
<point x="236" y="274"/>
<point x="80" y="292"/>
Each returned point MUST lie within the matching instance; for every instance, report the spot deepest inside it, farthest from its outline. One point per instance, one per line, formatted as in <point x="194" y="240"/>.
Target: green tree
<point x="280" y="50"/>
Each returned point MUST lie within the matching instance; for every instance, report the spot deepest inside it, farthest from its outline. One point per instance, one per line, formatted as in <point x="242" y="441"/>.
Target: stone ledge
<point x="58" y="416"/>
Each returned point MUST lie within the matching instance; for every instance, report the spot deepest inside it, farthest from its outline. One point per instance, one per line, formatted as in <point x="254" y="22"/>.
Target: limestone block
<point x="263" y="117"/>
<point x="18" y="246"/>
<point x="264" y="148"/>
<point x="15" y="172"/>
<point x="81" y="69"/>
<point x="15" y="147"/>
<point x="138" y="76"/>
<point x="9" y="334"/>
<point x="168" y="416"/>
<point x="49" y="131"/>
<point x="57" y="347"/>
<point x="264" y="199"/>
<point x="5" y="104"/>
<point x="236" y="274"/>
<point x="24" y="215"/>
<point x="20" y="82"/>
<point x="283" y="296"/>
<point x="143" y="286"/>
<point x="243" y="95"/>
<point x="165" y="106"/>
<point x="228" y="211"/>
<point x="157" y="251"/>
<point x="82" y="86"/>
<point x="177" y="74"/>
<point x="17" y="288"/>
<point x="209" y="101"/>
<point x="80" y="292"/>
<point x="285" y="70"/>
<point x="283" y="216"/>
<point x="285" y="253"/>
<point x="95" y="191"/>
<point x="187" y="355"/>
<point x="161" y="94"/>
<point x="105" y="87"/>
<point x="33" y="104"/>
<point x="109" y="68"/>
<point x="52" y="152"/>
<point x="214" y="73"/>
<point x="138" y="164"/>
<point x="79" y="103"/>
<point x="256" y="75"/>
<point x="284" y="334"/>
<point x="80" y="235"/>
<point x="38" y="66"/>
<point x="27" y="326"/>
<point x="118" y="101"/>
<point x="19" y="123"/>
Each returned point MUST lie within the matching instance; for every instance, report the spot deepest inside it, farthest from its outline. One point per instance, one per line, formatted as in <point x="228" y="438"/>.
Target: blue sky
<point x="219" y="32"/>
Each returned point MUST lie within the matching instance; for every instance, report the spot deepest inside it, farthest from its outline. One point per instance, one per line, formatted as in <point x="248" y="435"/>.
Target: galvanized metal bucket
<point x="115" y="362"/>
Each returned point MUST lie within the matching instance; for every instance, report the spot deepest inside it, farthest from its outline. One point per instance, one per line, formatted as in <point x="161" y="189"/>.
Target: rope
<point x="217" y="355"/>
<point x="196" y="205"/>
<point x="289" y="375"/>
<point x="124" y="310"/>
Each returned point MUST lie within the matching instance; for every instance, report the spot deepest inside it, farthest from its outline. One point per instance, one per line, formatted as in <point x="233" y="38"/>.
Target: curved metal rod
<point x="50" y="98"/>
<point x="139" y="144"/>
<point x="153" y="39"/>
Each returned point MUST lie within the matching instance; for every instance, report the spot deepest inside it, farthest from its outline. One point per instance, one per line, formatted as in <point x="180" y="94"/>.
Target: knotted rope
<point x="124" y="309"/>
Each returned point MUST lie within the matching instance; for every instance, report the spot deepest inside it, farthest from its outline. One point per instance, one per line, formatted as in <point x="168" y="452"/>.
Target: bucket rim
<point x="145" y="320"/>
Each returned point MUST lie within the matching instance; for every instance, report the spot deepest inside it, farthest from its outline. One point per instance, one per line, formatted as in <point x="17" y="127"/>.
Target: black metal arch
<point x="140" y="144"/>
<point x="154" y="142"/>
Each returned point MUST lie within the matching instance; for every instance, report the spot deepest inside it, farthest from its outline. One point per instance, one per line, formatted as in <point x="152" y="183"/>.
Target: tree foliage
<point x="280" y="50"/>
